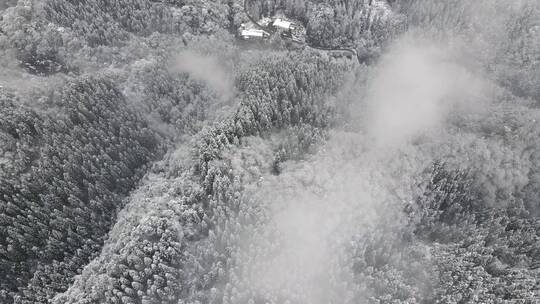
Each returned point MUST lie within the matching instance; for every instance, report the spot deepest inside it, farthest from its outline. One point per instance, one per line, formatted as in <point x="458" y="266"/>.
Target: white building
<point x="283" y="24"/>
<point x="253" y="34"/>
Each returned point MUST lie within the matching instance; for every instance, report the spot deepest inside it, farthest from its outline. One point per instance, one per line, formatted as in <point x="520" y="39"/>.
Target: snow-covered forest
<point x="148" y="154"/>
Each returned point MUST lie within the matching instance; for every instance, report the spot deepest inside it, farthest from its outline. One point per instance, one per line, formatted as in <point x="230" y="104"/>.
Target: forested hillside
<point x="150" y="155"/>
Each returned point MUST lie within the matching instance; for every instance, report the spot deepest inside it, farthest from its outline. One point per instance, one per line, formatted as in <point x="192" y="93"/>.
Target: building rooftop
<point x="253" y="33"/>
<point x="282" y="23"/>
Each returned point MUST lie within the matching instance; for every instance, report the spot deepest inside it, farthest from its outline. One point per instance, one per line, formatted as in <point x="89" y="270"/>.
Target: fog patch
<point x="301" y="247"/>
<point x="415" y="87"/>
<point x="205" y="68"/>
<point x="320" y="214"/>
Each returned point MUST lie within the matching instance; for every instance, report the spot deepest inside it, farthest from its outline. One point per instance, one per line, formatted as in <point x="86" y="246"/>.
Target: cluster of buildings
<point x="286" y="28"/>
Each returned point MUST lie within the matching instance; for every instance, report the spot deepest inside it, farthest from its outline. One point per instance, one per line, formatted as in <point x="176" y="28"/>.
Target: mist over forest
<point x="182" y="151"/>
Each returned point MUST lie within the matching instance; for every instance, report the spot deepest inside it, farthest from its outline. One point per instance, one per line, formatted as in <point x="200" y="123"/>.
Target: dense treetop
<point x="148" y="155"/>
